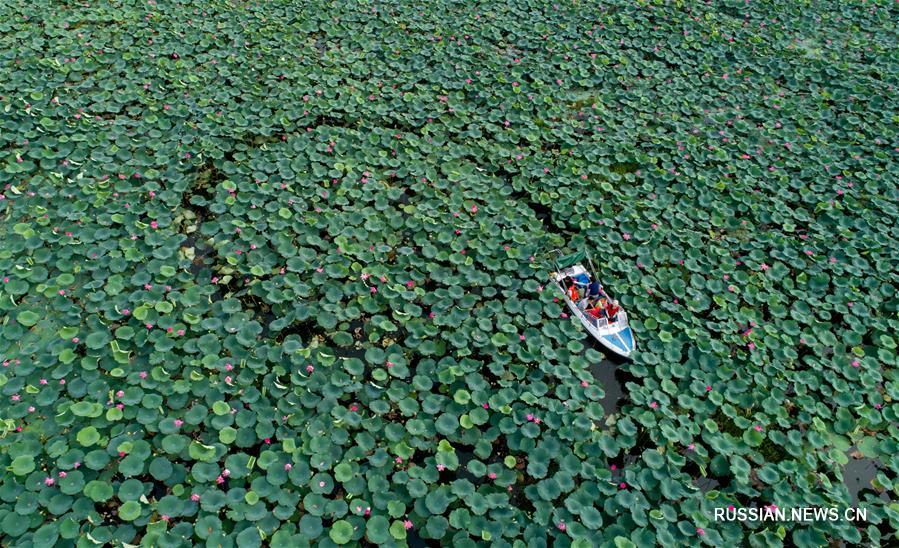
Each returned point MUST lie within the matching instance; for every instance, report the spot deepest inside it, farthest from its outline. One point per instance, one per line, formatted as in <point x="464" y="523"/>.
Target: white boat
<point x="613" y="333"/>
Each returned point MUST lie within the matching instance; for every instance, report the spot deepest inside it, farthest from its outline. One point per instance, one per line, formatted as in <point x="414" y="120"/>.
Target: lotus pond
<point x="272" y="273"/>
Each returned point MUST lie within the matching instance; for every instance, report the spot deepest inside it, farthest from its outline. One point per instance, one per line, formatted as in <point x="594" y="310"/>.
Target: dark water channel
<point x="610" y="374"/>
<point x="857" y="476"/>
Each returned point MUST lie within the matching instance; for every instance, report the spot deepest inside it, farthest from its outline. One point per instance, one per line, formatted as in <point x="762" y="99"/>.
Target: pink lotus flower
<point x="142" y="374"/>
<point x="751" y="346"/>
<point x="63" y="474"/>
<point x="15" y="397"/>
<point x="521" y="337"/>
<point x="486" y="406"/>
<point x="309" y="369"/>
<point x="758" y="427"/>
<point x="561" y="526"/>
<point x="626" y="236"/>
<point x="691" y="447"/>
<point x="700" y="531"/>
<point x="530" y="417"/>
<point x="856" y="363"/>
<point x="654" y="405"/>
<point x="48" y="481"/>
<point x="622" y="485"/>
<point x="763" y="266"/>
<point x="321" y="484"/>
<point x="226" y="472"/>
<point x="220" y="480"/>
<point x="407" y="524"/>
<point x="492" y="475"/>
<point x="195" y="497"/>
<point x="178" y="422"/>
<point x="288" y="466"/>
<point x="441" y="468"/>
<point x="62" y="292"/>
<point x="42" y="381"/>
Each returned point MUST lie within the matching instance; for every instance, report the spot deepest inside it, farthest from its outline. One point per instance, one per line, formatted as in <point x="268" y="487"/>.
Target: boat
<point x="614" y="333"/>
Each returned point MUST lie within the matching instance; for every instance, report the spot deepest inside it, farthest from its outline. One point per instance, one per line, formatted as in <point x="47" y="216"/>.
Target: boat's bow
<point x="620" y="342"/>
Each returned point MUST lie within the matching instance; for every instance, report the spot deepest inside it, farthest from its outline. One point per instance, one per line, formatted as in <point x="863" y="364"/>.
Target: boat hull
<point x="617" y="337"/>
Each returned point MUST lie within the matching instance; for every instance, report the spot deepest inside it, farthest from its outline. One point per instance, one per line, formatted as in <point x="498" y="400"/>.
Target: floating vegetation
<point x="272" y="273"/>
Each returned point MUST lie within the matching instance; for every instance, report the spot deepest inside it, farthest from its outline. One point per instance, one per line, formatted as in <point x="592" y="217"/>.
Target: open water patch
<point x="857" y="476"/>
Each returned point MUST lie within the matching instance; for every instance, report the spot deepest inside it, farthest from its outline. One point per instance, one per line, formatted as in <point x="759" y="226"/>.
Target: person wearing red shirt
<point x="612" y="308"/>
<point x="573" y="293"/>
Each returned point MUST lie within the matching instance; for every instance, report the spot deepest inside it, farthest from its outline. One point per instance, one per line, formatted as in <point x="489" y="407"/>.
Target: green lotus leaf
<point x="129" y="511"/>
<point x="22" y="465"/>
<point x="28" y="318"/>
<point x="88" y="436"/>
<point x="98" y="491"/>
<point x="341" y="532"/>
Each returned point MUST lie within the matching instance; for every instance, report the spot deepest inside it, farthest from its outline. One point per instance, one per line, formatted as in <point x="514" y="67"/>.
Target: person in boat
<point x="595" y="290"/>
<point x="597" y="311"/>
<point x="573" y="292"/>
<point x="612" y="309"/>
